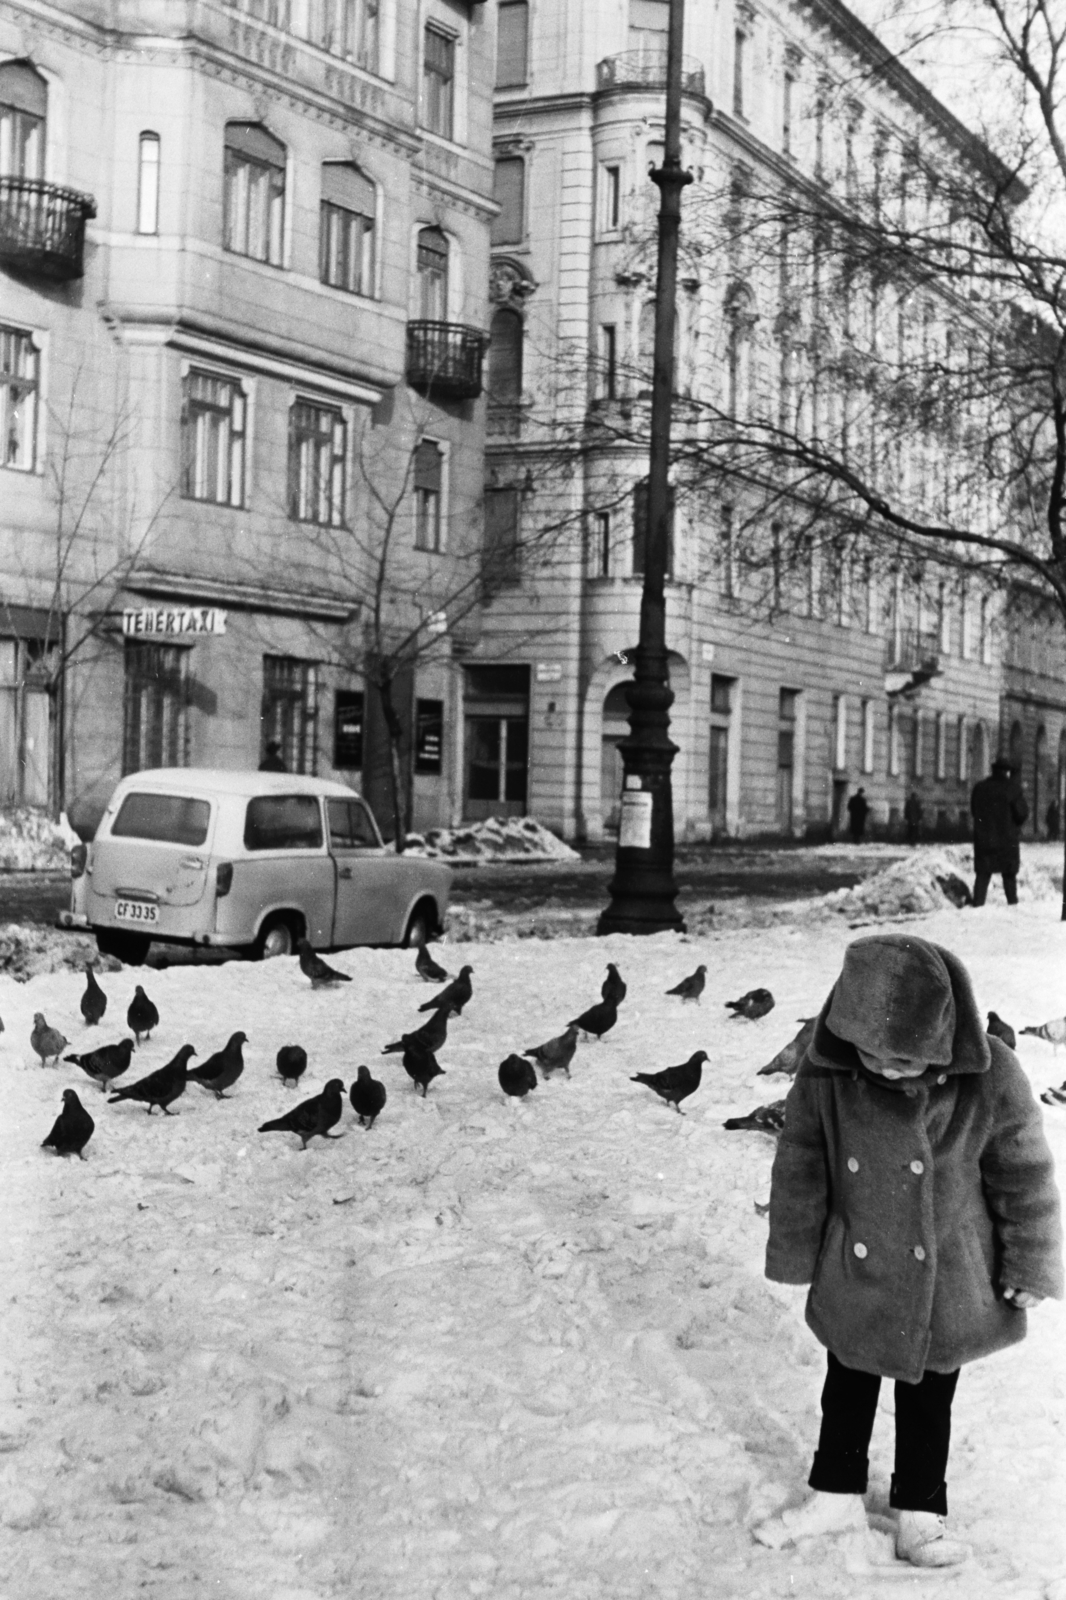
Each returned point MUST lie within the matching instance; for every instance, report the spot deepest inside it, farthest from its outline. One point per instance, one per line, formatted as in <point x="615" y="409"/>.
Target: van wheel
<point x="129" y="948"/>
<point x="421" y="925"/>
<point x="277" y="937"/>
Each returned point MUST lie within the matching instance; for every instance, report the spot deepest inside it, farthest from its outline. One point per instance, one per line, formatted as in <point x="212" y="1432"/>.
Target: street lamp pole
<point x="643" y="890"/>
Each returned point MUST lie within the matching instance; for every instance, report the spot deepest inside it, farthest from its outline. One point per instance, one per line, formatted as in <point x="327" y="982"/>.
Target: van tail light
<point x="79" y="855"/>
<point x="223" y="878"/>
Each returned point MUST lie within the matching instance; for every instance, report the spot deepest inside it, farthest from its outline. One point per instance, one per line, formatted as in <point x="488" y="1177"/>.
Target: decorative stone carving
<point x="510" y="283"/>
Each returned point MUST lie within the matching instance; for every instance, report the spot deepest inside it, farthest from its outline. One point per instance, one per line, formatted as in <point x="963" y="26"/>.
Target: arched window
<point x="148" y="184"/>
<point x="432" y="266"/>
<point x="505" y="357"/>
<point x="23" y="109"/>
<point x="254" y="192"/>
<point x="346" y="232"/>
<point x="509" y="193"/>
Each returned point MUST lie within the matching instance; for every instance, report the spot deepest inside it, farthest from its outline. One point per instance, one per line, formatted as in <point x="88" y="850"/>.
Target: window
<point x="640" y="527"/>
<point x="512" y="44"/>
<point x="428" y="486"/>
<point x="509" y="192"/>
<point x="721" y="694"/>
<point x="600" y="563"/>
<point x="429" y="737"/>
<point x="867" y="736"/>
<point x="348" y="716"/>
<point x="610" y="198"/>
<point x="318" y="449"/>
<point x="986" y="631"/>
<point x="350" y="826"/>
<point x="941" y="745"/>
<point x="156" y="701"/>
<point x="962" y="770"/>
<point x="944" y="620"/>
<point x="163" y="818"/>
<point x="918" y="732"/>
<point x="893" y="741"/>
<point x="501" y="538"/>
<point x="608" y="353"/>
<point x="649" y="24"/>
<point x="289" y="711"/>
<point x="23" y="108"/>
<point x="19" y="366"/>
<point x="283" y="822"/>
<point x="148" y="184"/>
<point x="347" y="28"/>
<point x="739" y="319"/>
<point x="346" y="232"/>
<point x="788" y="89"/>
<point x="727" y="556"/>
<point x="740" y="51"/>
<point x="966" y="626"/>
<point x="840" y="731"/>
<point x="213" y="431"/>
<point x="432" y="265"/>
<point x="254" y="192"/>
<point x="438" y="82"/>
<point x="504" y="381"/>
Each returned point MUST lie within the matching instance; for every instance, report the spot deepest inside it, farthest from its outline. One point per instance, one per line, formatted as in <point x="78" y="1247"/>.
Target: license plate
<point x="136" y="911"/>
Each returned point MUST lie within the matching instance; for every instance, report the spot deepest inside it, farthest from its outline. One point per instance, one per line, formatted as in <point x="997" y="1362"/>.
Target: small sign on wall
<point x="634" y="830"/>
<point x="549" y="671"/>
<point x="166" y="622"/>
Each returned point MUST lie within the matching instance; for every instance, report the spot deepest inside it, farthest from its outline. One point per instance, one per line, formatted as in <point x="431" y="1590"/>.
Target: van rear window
<point x="283" y="822"/>
<point x="165" y="818"/>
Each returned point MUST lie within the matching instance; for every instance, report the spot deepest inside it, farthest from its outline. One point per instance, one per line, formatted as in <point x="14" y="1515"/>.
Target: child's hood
<point x="938" y="1020"/>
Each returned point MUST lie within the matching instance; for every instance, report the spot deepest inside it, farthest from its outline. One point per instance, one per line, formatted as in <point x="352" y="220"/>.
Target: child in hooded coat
<point x="913" y="1190"/>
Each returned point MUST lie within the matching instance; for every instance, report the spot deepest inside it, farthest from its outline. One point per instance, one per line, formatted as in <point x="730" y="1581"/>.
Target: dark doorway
<point x="496" y="707"/>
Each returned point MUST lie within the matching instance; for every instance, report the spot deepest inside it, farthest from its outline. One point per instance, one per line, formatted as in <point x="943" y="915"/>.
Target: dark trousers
<point x="923" y="1436"/>
<point x="983" y="879"/>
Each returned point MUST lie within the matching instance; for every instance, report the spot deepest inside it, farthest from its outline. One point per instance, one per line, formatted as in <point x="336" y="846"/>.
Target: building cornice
<point x="238" y="596"/>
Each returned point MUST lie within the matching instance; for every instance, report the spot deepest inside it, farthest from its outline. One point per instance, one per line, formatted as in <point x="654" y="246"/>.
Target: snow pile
<point x="28" y="950"/>
<point x="495" y="839"/>
<point x="31" y="842"/>
<point x="489" y="1349"/>
<point x="928" y="879"/>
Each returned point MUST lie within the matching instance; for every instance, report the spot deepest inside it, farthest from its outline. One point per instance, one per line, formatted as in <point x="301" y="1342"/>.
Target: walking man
<point x="999" y="808"/>
<point x="912" y="816"/>
<point x="858" y="810"/>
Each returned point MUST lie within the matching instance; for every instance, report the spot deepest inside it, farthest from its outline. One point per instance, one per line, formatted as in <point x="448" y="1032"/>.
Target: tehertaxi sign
<point x="168" y="622"/>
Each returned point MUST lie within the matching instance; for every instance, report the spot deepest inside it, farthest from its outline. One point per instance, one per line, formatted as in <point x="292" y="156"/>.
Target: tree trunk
<point x="1063" y="917"/>
<point x="397" y="787"/>
<point x="56" y="766"/>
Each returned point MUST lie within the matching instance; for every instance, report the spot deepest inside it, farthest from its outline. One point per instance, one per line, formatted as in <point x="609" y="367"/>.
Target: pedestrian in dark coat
<point x="858" y="811"/>
<point x="1051" y="820"/>
<point x="913" y="1190"/>
<point x="272" y="761"/>
<point x="999" y="808"/>
<point x="912" y="817"/>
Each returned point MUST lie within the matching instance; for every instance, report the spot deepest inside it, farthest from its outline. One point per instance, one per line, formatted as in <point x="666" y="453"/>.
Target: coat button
<point x="853" y="1165"/>
<point x="919" y="1253"/>
<point x="918" y="1167"/>
<point x="943" y="1078"/>
<point x="860" y="1251"/>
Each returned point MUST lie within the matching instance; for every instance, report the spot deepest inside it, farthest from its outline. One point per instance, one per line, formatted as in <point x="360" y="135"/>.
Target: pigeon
<point x="454" y="995"/>
<point x="613" y="986"/>
<point x="367" y="1096"/>
<point x="427" y="968"/>
<point x="691" y="988"/>
<point x="421" y="1065"/>
<point x="46" y="1041"/>
<point x="311" y="1117"/>
<point x="599" y="1019"/>
<point x="517" y="1077"/>
<point x="1001" y="1030"/>
<point x="142" y="1015"/>
<point x="94" y="1000"/>
<point x="315" y="968"/>
<point x="221" y="1071"/>
<point x="675" y="1084"/>
<point x="292" y="1062"/>
<point x="105" y="1064"/>
<point x="753" y="1005"/>
<point x="557" y="1054"/>
<point x="161" y="1087"/>
<point x="431" y="1034"/>
<point x="789" y="1057"/>
<point x="1054" y="1032"/>
<point x="764" y="1119"/>
<point x="1055" y="1097"/>
<point x="72" y="1129"/>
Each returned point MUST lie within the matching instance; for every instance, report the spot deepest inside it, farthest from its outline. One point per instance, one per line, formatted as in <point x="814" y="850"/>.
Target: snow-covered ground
<point x="488" y="1348"/>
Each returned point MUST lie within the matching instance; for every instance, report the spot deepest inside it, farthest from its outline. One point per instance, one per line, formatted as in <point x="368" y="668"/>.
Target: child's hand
<point x="1021" y="1299"/>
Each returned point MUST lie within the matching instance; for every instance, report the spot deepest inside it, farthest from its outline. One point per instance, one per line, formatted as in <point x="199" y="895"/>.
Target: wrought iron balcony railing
<point x="42" y="227"/>
<point x="912" y="657"/>
<point x="646" y="69"/>
<point x="444" y="359"/>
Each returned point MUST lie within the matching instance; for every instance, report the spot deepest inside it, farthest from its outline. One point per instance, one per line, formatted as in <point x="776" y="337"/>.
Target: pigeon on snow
<point x="313" y="967"/>
<point x="675" y="1084"/>
<point x="516" y="1076"/>
<point x="311" y="1117"/>
<point x="161" y="1087"/>
<point x="790" y="1055"/>
<point x="692" y="987"/>
<point x="1001" y="1030"/>
<point x="94" y="1000"/>
<point x="431" y="1034"/>
<point x="598" y="1019"/>
<point x="455" y="995"/>
<point x="221" y="1071"/>
<point x="142" y="1015"/>
<point x="1054" y="1032"/>
<point x="427" y="968"/>
<point x="1055" y="1097"/>
<point x="613" y="986"/>
<point x="46" y="1041"/>
<point x="72" y="1129"/>
<point x="753" y="1005"/>
<point x="110" y="1061"/>
<point x="367" y="1096"/>
<point x="420" y="1065"/>
<point x="764" y="1119"/>
<point x="557" y="1054"/>
<point x="292" y="1062"/>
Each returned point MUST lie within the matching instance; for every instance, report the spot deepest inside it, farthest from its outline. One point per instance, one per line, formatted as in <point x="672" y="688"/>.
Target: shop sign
<point x="167" y="622"/>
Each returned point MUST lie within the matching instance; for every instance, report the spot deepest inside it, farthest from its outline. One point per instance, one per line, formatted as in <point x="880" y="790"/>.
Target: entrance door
<point x="496" y="725"/>
<point x="719" y="778"/>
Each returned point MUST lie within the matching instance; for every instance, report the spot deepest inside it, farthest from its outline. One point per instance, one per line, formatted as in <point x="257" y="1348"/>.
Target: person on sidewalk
<point x="1051" y="820"/>
<point x="998" y="808"/>
<point x="272" y="761"/>
<point x="913" y="1190"/>
<point x="912" y="816"/>
<point x="858" y="811"/>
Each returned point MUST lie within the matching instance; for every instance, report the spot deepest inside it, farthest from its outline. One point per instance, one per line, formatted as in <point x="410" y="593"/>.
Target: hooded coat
<point x="908" y="1205"/>
<point x="999" y="808"/>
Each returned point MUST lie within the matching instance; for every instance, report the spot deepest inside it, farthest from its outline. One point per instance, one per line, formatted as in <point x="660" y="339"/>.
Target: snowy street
<point x="487" y="1348"/>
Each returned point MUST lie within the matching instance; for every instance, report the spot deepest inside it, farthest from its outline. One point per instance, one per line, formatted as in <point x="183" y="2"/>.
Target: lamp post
<point x="643" y="890"/>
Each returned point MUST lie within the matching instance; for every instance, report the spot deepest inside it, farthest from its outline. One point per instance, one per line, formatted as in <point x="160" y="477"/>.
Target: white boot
<point x="822" y="1514"/>
<point x="922" y="1540"/>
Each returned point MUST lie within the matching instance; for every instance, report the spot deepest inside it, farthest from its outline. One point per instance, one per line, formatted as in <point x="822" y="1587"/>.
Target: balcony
<point x="42" y="227"/>
<point x="646" y="69"/>
<point x="912" y="657"/>
<point x="444" y="359"/>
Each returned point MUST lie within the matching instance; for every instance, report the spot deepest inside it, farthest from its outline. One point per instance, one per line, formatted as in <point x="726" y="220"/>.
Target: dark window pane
<point x="166" y="818"/>
<point x="785" y="745"/>
<point x="348" y="730"/>
<point x="501" y="538"/>
<point x="509" y="192"/>
<point x="429" y="736"/>
<point x="429" y="459"/>
<point x="721" y="693"/>
<point x="283" y="822"/>
<point x="505" y="357"/>
<point x="512" y="43"/>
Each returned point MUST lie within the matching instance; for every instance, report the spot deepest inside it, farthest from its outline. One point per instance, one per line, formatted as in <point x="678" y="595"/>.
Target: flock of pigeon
<point x="517" y="1074"/>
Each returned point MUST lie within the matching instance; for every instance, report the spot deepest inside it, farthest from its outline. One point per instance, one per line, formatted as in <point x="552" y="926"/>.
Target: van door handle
<point x="344" y="872"/>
